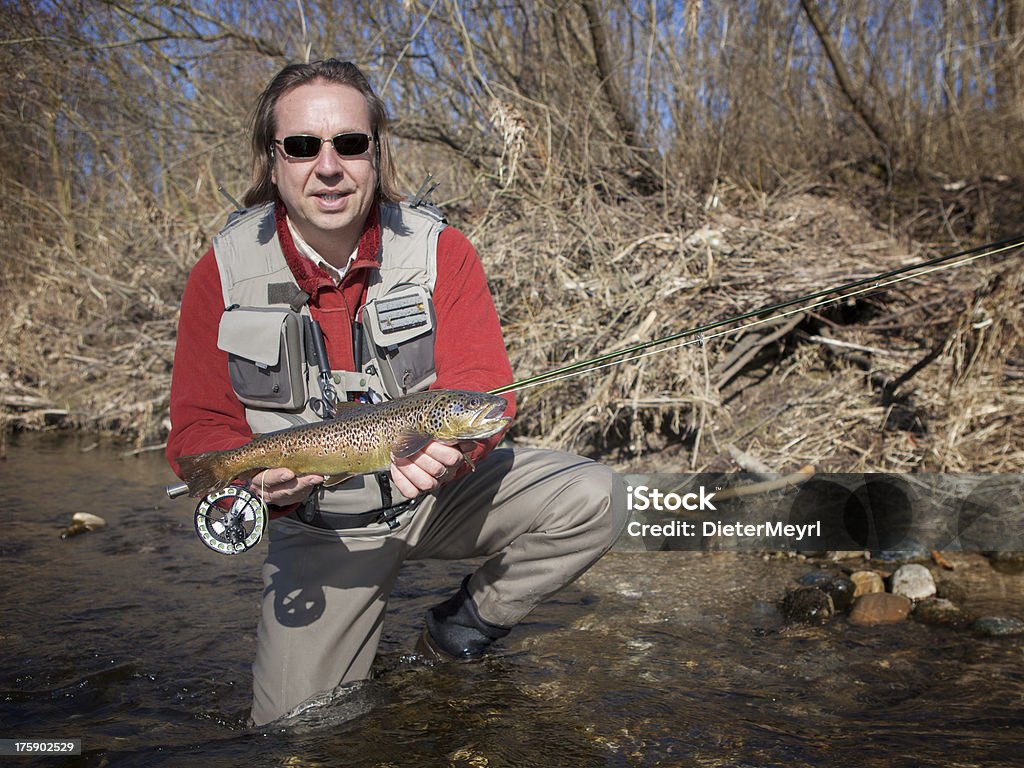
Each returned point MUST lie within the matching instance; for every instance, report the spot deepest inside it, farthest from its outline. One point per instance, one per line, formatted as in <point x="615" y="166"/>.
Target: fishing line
<point x="864" y="286"/>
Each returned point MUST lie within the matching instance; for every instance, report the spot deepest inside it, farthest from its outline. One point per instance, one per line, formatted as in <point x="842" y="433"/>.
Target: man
<point x="325" y="247"/>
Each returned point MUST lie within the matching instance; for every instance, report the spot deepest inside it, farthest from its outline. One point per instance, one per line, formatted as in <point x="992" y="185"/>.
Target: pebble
<point x="808" y="604"/>
<point x="998" y="626"/>
<point x="941" y="612"/>
<point x="852" y="554"/>
<point x="866" y="583"/>
<point x="86" y="518"/>
<point x="836" y="585"/>
<point x="879" y="608"/>
<point x="840" y="588"/>
<point x="913" y="581"/>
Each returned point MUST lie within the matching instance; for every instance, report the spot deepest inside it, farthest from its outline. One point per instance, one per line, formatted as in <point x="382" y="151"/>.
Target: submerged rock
<point x="866" y="583"/>
<point x="951" y="590"/>
<point x="808" y="604"/>
<point x="815" y="579"/>
<point x="1007" y="562"/>
<point x="880" y="608"/>
<point x="913" y="581"/>
<point x="82" y="522"/>
<point x="939" y="611"/>
<point x="840" y="588"/>
<point x="998" y="626"/>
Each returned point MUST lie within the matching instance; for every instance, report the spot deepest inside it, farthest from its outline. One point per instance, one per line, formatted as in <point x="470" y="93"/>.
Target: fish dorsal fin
<point x="330" y="480"/>
<point x="409" y="443"/>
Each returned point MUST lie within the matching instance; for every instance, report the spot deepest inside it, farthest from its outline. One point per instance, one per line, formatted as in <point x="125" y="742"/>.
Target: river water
<point x="137" y="640"/>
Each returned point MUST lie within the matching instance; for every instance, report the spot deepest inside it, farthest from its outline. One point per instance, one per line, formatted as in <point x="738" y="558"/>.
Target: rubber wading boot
<point x="455" y="630"/>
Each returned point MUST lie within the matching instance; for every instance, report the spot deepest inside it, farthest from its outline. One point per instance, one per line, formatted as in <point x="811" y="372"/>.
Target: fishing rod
<point x="817" y="299"/>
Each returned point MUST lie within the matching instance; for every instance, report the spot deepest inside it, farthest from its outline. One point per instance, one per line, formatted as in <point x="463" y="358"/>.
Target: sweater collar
<point x="310" y="276"/>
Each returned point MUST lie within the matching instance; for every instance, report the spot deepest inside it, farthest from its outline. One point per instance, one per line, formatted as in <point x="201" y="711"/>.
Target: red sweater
<point x="469" y="351"/>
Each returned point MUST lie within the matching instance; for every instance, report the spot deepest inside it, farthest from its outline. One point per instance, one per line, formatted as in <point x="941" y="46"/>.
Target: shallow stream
<point x="137" y="640"/>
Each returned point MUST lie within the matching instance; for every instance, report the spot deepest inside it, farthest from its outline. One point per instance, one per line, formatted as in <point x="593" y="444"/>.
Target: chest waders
<point x="276" y="358"/>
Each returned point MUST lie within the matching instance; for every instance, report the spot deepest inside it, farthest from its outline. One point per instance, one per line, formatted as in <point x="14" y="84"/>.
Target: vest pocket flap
<point x="253" y="333"/>
<point x="265" y="356"/>
<point x="403" y="314"/>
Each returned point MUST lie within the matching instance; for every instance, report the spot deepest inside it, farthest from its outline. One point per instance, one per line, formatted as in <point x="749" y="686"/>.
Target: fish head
<point x="457" y="415"/>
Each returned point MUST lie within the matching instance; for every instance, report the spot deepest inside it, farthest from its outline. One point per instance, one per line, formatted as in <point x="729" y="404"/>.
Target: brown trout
<point x="362" y="439"/>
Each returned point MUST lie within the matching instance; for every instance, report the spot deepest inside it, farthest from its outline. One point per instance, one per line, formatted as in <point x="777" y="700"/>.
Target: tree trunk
<point x="1009" y="61"/>
<point x="647" y="178"/>
<point x="852" y="93"/>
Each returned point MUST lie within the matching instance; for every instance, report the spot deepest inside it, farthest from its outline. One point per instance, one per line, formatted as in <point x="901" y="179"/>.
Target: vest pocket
<point x="265" y="356"/>
<point x="399" y="330"/>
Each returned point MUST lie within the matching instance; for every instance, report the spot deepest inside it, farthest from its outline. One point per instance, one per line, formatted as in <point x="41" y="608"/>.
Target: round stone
<point x="880" y="608"/>
<point x="998" y="626"/>
<point x="866" y="583"/>
<point x="913" y="581"/>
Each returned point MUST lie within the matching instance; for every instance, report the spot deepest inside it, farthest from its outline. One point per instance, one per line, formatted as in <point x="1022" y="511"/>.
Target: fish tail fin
<point x="200" y="473"/>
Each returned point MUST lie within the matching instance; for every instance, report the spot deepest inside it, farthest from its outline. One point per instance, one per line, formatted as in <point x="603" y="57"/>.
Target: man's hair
<point x="263" y="126"/>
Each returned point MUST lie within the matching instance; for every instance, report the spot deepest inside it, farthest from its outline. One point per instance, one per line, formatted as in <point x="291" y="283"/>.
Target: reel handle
<point x="176" y="490"/>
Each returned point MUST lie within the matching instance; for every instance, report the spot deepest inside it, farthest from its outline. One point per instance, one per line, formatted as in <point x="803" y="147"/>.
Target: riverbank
<point x="921" y="375"/>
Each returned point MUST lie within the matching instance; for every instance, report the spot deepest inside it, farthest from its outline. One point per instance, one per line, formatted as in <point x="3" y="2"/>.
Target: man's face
<point x="328" y="197"/>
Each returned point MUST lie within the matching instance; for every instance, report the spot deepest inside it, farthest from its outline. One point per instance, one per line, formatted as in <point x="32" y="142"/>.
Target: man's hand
<point x="428" y="469"/>
<point x="281" y="486"/>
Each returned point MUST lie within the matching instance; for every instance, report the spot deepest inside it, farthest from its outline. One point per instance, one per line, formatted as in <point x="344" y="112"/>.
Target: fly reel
<point x="231" y="520"/>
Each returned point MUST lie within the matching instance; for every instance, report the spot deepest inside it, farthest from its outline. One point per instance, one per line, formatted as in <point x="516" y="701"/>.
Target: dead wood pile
<point x="923" y="375"/>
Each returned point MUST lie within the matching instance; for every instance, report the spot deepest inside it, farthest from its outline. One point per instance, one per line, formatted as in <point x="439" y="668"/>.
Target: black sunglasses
<point x="306" y="147"/>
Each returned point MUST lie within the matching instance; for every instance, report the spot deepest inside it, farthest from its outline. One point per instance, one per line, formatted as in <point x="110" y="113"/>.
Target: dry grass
<point x="91" y="347"/>
<point x="810" y="394"/>
<point x="94" y="351"/>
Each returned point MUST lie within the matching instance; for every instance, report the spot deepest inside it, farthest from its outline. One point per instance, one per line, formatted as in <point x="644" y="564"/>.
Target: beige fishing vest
<point x="265" y="340"/>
